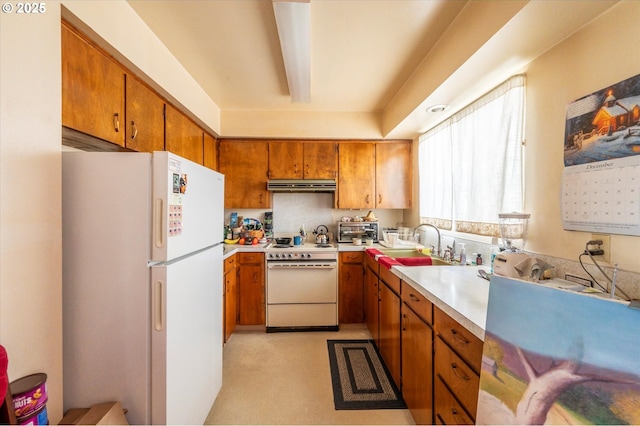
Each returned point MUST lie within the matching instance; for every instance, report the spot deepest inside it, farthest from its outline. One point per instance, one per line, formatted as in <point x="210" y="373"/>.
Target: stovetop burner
<point x="323" y="245"/>
<point x="282" y="246"/>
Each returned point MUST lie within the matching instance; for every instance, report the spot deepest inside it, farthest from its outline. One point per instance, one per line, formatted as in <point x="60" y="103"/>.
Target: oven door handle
<point x="288" y="266"/>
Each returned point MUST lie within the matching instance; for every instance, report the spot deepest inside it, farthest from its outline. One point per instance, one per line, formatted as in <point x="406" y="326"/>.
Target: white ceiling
<point x="390" y="57"/>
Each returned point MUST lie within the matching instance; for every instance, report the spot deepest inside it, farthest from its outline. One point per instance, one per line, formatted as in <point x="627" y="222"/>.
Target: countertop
<point x="457" y="290"/>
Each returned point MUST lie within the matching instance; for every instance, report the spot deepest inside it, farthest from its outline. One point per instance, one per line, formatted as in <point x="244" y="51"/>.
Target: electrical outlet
<point x="606" y="246"/>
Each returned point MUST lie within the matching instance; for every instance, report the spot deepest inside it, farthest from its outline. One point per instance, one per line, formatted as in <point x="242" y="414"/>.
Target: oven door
<point x="302" y="295"/>
<point x="302" y="282"/>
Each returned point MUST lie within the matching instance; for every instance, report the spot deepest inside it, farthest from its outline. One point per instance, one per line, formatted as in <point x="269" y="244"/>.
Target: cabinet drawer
<point x="351" y="256"/>
<point x="461" y="379"/>
<point x="390" y="279"/>
<point x="417" y="302"/>
<point x="229" y="263"/>
<point x="250" y="257"/>
<point x="461" y="340"/>
<point x="448" y="409"/>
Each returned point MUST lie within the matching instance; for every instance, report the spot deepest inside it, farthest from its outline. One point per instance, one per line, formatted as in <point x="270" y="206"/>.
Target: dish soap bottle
<point x="463" y="255"/>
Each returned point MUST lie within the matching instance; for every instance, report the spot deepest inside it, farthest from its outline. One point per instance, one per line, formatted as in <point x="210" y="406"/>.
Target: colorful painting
<point x="604" y="125"/>
<point x="553" y="356"/>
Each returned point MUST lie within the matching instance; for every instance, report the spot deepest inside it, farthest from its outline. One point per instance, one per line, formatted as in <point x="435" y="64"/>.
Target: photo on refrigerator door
<point x="557" y="357"/>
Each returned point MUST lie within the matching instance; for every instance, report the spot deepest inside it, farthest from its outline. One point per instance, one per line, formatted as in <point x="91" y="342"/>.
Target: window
<point x="470" y="165"/>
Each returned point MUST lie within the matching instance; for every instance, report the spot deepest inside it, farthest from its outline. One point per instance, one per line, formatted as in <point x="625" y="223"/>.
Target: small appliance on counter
<point x="519" y="265"/>
<point x="347" y="231"/>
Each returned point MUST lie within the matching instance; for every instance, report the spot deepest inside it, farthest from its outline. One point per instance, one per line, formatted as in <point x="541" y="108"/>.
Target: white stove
<point x="302" y="287"/>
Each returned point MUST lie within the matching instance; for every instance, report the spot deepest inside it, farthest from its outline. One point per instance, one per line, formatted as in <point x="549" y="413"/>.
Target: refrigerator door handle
<point x="158" y="305"/>
<point x="158" y="214"/>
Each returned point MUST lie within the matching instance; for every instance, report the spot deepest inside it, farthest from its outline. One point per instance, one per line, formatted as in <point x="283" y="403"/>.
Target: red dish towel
<point x="415" y="261"/>
<point x="373" y="252"/>
<point x="388" y="262"/>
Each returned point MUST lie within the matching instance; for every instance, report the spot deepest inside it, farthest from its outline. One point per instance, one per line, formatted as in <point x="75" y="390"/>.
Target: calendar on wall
<point x="602" y="197"/>
<point x="601" y="178"/>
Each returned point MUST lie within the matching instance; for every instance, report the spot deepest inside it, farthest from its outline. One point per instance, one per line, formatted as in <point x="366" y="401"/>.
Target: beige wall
<point x="603" y="53"/>
<point x="596" y="56"/>
<point x="30" y="224"/>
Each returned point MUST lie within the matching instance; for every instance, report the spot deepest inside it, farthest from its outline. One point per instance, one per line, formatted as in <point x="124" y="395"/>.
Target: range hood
<point x="301" y="185"/>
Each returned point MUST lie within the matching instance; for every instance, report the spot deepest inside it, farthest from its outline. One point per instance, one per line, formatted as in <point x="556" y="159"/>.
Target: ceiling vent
<point x="301" y="185"/>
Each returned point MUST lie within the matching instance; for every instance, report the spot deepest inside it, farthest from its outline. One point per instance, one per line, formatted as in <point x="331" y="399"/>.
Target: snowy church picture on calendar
<point x="604" y="125"/>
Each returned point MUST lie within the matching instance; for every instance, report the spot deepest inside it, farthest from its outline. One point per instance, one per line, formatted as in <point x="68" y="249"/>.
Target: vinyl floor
<point x="284" y="379"/>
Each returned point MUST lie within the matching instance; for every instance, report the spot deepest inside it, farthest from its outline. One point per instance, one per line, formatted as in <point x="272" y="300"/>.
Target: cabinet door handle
<point x="134" y="130"/>
<point x="295" y="169"/>
<point x="255" y="277"/>
<point x="460" y="374"/>
<point x="413" y="297"/>
<point x="404" y="322"/>
<point x="116" y="122"/>
<point x="367" y="200"/>
<point x="458" y="337"/>
<point x="379" y="198"/>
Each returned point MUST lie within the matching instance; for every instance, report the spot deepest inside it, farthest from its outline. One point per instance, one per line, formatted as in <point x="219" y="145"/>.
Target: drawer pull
<point x="460" y="374"/>
<point x="454" y="411"/>
<point x="458" y="337"/>
<point x="413" y="297"/>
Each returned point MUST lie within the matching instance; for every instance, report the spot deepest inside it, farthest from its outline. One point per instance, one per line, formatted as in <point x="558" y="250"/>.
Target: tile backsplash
<point x="291" y="210"/>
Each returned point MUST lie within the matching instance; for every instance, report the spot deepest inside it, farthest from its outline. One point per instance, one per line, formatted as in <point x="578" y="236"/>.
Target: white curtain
<point x="435" y="176"/>
<point x="476" y="160"/>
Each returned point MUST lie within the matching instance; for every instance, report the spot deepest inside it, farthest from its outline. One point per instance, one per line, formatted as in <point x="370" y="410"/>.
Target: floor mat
<point x="359" y="377"/>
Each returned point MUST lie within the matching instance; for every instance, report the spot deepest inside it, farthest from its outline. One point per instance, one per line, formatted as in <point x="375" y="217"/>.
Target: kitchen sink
<point x="400" y="254"/>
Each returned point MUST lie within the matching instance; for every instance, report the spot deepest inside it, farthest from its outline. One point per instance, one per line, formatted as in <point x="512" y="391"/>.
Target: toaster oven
<point x="347" y="231"/>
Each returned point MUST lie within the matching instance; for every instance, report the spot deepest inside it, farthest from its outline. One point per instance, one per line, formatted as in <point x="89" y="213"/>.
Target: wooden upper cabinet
<point x="92" y="90"/>
<point x="183" y="137"/>
<point x="144" y="117"/>
<point x="210" y="152"/>
<point x="320" y="160"/>
<point x="393" y="175"/>
<point x="245" y="164"/>
<point x="285" y="160"/>
<point x="356" y="175"/>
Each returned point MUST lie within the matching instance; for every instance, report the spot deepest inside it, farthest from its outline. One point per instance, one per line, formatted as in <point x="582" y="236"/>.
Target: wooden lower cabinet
<point x="458" y="359"/>
<point x="417" y="366"/>
<point x="351" y="287"/>
<point x="230" y="301"/>
<point x="389" y="312"/>
<point x="417" y="354"/>
<point x="251" y="289"/>
<point x="449" y="410"/>
<point x="371" y="298"/>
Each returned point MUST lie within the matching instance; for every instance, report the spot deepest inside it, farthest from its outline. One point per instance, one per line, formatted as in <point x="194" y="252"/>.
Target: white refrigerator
<point x="142" y="284"/>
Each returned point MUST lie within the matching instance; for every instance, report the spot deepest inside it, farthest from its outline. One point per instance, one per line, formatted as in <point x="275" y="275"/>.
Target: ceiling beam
<point x="293" y="21"/>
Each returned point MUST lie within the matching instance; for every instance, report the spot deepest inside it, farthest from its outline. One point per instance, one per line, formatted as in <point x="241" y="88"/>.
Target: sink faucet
<point x="415" y="230"/>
